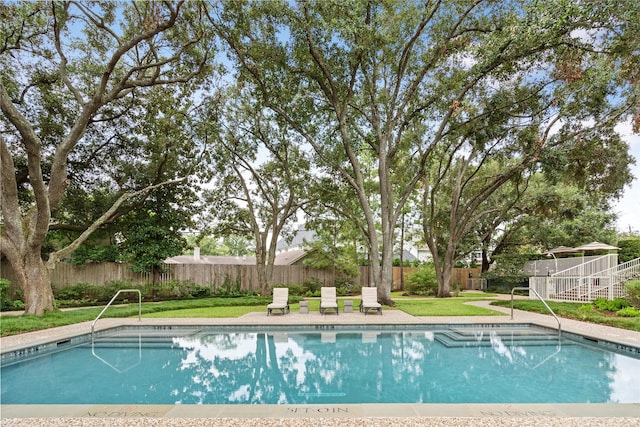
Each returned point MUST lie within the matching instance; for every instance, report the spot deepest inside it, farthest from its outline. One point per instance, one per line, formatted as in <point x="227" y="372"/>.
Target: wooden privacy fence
<point x="215" y="275"/>
<point x="463" y="278"/>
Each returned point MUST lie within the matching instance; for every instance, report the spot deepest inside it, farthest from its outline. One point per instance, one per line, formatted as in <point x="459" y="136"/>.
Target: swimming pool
<point x="323" y="364"/>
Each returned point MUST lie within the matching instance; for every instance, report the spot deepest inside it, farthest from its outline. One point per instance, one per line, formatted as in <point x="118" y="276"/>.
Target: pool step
<point x="133" y="341"/>
<point x="514" y="337"/>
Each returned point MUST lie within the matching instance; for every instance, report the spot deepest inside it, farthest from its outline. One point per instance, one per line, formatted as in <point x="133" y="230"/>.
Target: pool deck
<point x="520" y="415"/>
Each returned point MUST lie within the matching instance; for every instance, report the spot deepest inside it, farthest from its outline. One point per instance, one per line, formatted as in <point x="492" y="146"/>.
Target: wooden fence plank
<point x="213" y="275"/>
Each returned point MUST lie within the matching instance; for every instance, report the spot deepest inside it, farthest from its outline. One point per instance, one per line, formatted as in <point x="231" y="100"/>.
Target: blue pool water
<point x="456" y="364"/>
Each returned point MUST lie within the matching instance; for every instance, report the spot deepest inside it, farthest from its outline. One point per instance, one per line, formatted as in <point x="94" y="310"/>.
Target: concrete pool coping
<point x="301" y="415"/>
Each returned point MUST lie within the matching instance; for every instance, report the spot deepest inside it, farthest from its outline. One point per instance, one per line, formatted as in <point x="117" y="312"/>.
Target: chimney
<point x="196" y="253"/>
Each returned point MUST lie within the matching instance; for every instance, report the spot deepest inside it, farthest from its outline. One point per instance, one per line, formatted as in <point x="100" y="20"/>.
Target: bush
<point x="628" y="312"/>
<point x="633" y="293"/>
<point x="294" y="290"/>
<point x="84" y="294"/>
<point x="422" y="281"/>
<point x="230" y="287"/>
<point x="6" y="302"/>
<point x="175" y="290"/>
<point x="346" y="286"/>
<point x="629" y="249"/>
<point x="312" y="286"/>
<point x="610" y="305"/>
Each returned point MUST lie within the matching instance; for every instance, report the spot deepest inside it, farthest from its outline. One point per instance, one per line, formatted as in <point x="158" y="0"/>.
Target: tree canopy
<point x="78" y="83"/>
<point x="457" y="110"/>
<point x="439" y="93"/>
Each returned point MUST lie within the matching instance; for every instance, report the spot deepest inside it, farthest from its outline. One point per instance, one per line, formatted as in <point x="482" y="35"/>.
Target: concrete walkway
<point x="328" y="415"/>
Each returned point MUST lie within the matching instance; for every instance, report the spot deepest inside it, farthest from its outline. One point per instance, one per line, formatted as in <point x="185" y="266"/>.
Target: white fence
<point x="598" y="277"/>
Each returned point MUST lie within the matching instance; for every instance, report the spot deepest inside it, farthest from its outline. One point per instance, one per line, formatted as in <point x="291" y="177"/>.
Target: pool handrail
<point x="113" y="299"/>
<point x="524" y="288"/>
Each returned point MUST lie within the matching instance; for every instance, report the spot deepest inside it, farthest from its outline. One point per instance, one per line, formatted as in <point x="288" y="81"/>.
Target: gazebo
<point x="581" y="278"/>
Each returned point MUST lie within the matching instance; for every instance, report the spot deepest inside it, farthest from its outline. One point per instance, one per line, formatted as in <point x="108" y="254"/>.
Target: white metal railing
<point x="112" y="300"/>
<point x="524" y="288"/>
<point x="550" y="266"/>
<point x="113" y="366"/>
<point x="591" y="267"/>
<point x="629" y="270"/>
<point x="586" y="282"/>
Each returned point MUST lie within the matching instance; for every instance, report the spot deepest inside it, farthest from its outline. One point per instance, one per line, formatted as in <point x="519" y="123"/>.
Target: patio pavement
<point x="520" y="415"/>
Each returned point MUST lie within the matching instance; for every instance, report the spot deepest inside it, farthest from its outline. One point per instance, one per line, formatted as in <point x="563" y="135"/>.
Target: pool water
<point x="458" y="364"/>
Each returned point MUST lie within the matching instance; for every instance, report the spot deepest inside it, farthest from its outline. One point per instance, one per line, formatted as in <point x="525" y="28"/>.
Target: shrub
<point x="629" y="249"/>
<point x="294" y="290"/>
<point x="628" y="312"/>
<point x="422" y="281"/>
<point x="81" y="294"/>
<point x="346" y="286"/>
<point x="106" y="292"/>
<point x="229" y="288"/>
<point x="175" y="290"/>
<point x="587" y="308"/>
<point x="6" y="302"/>
<point x="86" y="294"/>
<point x="312" y="286"/>
<point x="610" y="305"/>
<point x="633" y="293"/>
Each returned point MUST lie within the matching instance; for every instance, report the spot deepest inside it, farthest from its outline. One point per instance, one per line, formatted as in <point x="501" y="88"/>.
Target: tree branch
<point x="55" y="257"/>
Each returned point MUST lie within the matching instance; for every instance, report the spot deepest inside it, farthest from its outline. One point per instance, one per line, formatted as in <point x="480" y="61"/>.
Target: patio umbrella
<point x="596" y="246"/>
<point x="560" y="250"/>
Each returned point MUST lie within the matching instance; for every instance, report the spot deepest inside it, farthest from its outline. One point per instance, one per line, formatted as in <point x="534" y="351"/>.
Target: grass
<point x="423" y="306"/>
<point x="443" y="307"/>
<point x="235" y="307"/>
<point x="210" y="307"/>
<point x="578" y="311"/>
<point x="206" y="312"/>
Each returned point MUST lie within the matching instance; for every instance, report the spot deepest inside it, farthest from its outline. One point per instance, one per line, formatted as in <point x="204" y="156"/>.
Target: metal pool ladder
<point x="113" y="299"/>
<point x="523" y="288"/>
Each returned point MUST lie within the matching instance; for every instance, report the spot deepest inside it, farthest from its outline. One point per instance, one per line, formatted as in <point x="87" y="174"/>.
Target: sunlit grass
<point x="443" y="307"/>
<point x="207" y="312"/>
<point x="236" y="307"/>
<point x="11" y="325"/>
<point x="578" y="311"/>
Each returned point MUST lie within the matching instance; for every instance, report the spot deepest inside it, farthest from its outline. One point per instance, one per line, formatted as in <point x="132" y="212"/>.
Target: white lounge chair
<point x="328" y="300"/>
<point x="370" y="300"/>
<point x="280" y="301"/>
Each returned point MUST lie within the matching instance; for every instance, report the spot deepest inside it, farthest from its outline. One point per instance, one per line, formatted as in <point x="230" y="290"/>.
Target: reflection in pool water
<point x="452" y="365"/>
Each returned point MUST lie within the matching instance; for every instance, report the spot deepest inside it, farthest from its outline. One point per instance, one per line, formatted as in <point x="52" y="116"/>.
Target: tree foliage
<point x="431" y="91"/>
<point x="260" y="181"/>
<point x="629" y="249"/>
<point x="76" y="82"/>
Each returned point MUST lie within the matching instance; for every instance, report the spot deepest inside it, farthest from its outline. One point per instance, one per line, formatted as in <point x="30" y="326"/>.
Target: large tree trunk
<point x="33" y="278"/>
<point x="263" y="281"/>
<point x="444" y="281"/>
<point x="261" y="264"/>
<point x="386" y="273"/>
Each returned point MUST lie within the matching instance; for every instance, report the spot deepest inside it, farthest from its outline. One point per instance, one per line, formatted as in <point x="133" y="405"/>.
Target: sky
<point x="628" y="207"/>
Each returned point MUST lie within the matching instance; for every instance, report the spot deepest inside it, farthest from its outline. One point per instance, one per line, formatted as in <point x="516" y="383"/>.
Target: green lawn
<point x="212" y="307"/>
<point x="578" y="311"/>
<point x="235" y="307"/>
<point x="443" y="307"/>
<point x="207" y="312"/>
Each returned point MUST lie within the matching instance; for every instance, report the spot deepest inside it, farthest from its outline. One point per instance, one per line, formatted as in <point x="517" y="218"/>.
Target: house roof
<point x="284" y="258"/>
<point x="211" y="259"/>
<point x="596" y="246"/>
<point x="289" y="257"/>
<point x="297" y="241"/>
